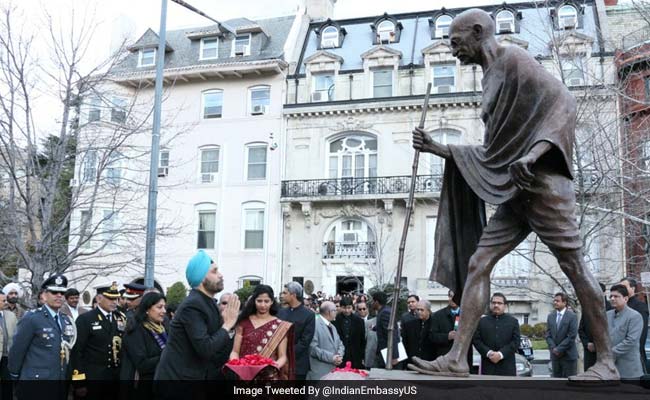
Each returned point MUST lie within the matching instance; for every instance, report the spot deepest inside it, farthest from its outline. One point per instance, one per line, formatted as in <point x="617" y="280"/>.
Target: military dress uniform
<point x="96" y="355"/>
<point x="40" y="348"/>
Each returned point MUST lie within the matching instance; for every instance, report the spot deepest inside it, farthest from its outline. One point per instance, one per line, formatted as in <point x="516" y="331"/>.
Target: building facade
<point x="353" y="99"/>
<point x="219" y="170"/>
<point x="630" y="34"/>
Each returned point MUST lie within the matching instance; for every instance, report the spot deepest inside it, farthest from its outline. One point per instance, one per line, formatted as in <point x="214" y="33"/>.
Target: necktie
<point x="331" y="331"/>
<point x="558" y="319"/>
<point x="56" y="321"/>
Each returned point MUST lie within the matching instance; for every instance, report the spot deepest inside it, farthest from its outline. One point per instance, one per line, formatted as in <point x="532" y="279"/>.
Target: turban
<point x="13" y="286"/>
<point x="197" y="268"/>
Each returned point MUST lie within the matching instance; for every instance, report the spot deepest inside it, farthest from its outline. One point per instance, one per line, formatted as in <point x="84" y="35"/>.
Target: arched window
<point x="256" y="154"/>
<point x="386" y="31"/>
<point x="442" y="26"/>
<point x="353" y="156"/>
<point x="329" y="37"/>
<point x="567" y="17"/>
<point x="206" y="225"/>
<point x="253" y="216"/>
<point x="444" y="136"/>
<point x="209" y="163"/>
<point x="349" y="238"/>
<point x="505" y="21"/>
<point x="212" y="103"/>
<point x="259" y="99"/>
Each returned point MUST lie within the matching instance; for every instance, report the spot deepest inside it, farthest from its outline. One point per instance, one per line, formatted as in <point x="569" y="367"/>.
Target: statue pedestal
<point x="401" y="375"/>
<point x="504" y="387"/>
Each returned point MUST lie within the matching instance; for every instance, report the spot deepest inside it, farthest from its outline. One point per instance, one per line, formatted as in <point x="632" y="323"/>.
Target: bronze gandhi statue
<point x="524" y="166"/>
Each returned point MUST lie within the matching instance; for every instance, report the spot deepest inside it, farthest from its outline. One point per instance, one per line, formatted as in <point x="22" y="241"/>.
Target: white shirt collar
<point x="52" y="312"/>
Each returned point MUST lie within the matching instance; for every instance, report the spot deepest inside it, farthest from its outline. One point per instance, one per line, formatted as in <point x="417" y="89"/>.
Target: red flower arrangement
<point x="251" y="359"/>
<point x="250" y="367"/>
<point x="348" y="368"/>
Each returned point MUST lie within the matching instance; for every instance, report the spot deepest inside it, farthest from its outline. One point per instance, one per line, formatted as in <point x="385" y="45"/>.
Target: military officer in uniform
<point x="133" y="295"/>
<point x="96" y="355"/>
<point x="41" y="345"/>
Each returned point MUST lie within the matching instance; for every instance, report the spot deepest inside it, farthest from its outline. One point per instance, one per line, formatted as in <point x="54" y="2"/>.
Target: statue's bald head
<point x="474" y="16"/>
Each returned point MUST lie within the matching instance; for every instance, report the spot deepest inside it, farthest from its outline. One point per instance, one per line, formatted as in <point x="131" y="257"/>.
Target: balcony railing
<point x="349" y="250"/>
<point x="360" y="186"/>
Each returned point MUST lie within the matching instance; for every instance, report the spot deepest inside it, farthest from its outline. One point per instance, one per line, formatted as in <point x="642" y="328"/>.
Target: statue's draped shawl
<point x="523" y="104"/>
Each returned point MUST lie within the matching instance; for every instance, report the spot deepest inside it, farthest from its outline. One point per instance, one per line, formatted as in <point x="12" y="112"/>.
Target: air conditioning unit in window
<point x="443" y="89"/>
<point x="506" y="27"/>
<point x="163" y="172"/>
<point x="207" y="178"/>
<point x="350" y="238"/>
<point x="318" y="96"/>
<point x="575" y="82"/>
<point x="329" y="43"/>
<point x="258" y="109"/>
<point x="385" y="37"/>
<point x="241" y="50"/>
<point x="568" y="22"/>
<point x="442" y="32"/>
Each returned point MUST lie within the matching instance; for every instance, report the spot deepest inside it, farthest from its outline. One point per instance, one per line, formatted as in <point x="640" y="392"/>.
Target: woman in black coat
<point x="142" y="344"/>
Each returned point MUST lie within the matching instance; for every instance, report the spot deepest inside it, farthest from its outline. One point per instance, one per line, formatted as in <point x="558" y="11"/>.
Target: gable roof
<point x="149" y="39"/>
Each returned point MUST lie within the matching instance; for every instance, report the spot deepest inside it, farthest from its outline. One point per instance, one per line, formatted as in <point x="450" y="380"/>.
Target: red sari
<point x="265" y="341"/>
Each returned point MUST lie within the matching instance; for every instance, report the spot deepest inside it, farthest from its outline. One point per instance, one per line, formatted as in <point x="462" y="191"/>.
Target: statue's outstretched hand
<point x="521" y="174"/>
<point x="424" y="143"/>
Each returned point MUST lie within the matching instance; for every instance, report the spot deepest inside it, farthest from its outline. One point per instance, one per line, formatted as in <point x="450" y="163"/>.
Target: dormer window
<point x="442" y="26"/>
<point x="505" y="21"/>
<point x="241" y="46"/>
<point x="386" y="32"/>
<point x="386" y="29"/>
<point x="567" y="17"/>
<point x="209" y="48"/>
<point x="147" y="57"/>
<point x="329" y="37"/>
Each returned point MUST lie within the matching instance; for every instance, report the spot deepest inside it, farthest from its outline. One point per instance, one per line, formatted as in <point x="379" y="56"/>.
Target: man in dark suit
<point x="444" y="328"/>
<point x="96" y="354"/>
<point x="416" y="334"/>
<point x="561" y="333"/>
<point x="199" y="335"/>
<point x="40" y="342"/>
<point x="642" y="308"/>
<point x="410" y="314"/>
<point x="352" y="331"/>
<point x="497" y="339"/>
<point x="379" y="304"/>
<point x="303" y="320"/>
<point x="586" y="336"/>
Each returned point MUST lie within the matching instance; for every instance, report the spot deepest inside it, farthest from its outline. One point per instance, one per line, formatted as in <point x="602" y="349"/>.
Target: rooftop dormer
<point x="386" y="29"/>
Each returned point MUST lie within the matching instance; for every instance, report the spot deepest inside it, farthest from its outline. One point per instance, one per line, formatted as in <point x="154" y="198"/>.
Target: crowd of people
<point x="131" y="336"/>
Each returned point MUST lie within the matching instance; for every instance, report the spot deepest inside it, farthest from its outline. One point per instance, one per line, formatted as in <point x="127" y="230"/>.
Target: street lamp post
<point x="152" y="203"/>
<point x="150" y="249"/>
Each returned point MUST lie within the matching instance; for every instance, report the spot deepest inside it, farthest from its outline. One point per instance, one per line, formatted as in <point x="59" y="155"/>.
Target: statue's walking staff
<point x="405" y="231"/>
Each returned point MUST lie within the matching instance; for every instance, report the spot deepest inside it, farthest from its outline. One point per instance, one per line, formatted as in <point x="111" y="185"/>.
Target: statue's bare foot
<point x="443" y="366"/>
<point x="601" y="372"/>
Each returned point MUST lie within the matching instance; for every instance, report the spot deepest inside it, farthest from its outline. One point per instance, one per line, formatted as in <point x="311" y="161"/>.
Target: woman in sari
<point x="260" y="332"/>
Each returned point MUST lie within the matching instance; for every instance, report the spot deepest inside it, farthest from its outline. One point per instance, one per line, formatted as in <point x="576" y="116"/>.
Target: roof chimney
<point x="611" y="2"/>
<point x="319" y="10"/>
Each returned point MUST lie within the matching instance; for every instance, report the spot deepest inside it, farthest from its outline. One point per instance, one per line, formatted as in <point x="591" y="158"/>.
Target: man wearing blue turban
<point x="199" y="335"/>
